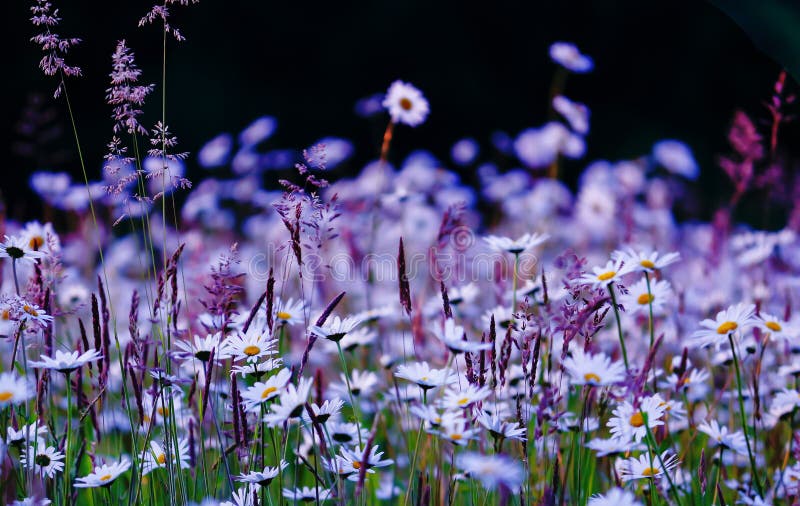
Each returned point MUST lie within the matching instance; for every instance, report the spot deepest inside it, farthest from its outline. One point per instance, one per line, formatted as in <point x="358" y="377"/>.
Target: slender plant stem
<point x="619" y="325"/>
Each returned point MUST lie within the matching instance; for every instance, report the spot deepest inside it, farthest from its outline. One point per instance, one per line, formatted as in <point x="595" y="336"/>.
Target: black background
<point x="664" y="69"/>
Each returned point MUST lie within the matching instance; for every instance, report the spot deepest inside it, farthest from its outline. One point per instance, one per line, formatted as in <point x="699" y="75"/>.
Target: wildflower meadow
<point x="271" y="333"/>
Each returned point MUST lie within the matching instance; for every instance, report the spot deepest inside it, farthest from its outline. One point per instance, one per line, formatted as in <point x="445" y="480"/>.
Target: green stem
<point x="619" y="325"/>
<point x="744" y="416"/>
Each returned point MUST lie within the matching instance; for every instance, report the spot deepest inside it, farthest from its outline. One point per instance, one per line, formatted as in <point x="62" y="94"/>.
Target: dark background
<point x="663" y="69"/>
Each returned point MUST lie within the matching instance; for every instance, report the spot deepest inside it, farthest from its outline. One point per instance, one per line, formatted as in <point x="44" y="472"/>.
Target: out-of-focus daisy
<point x="676" y="157"/>
<point x="155" y="456"/>
<point x="422" y="374"/>
<point x="646" y="261"/>
<point x="264" y="477"/>
<point x="734" y="319"/>
<point x="628" y="422"/>
<point x="346" y="433"/>
<point x="593" y="370"/>
<point x="452" y="336"/>
<point x="785" y="401"/>
<point x="614" y="497"/>
<point x="776" y="327"/>
<point x="335" y="328"/>
<point x="249" y="347"/>
<point x="362" y="384"/>
<point x="290" y="312"/>
<point x="13" y="390"/>
<point x="66" y="362"/>
<point x="355" y="338"/>
<point x="17" y="249"/>
<point x="103" y="475"/>
<point x="646" y="466"/>
<point x="539" y="147"/>
<point x="257" y="369"/>
<point x="567" y="55"/>
<point x="721" y="436"/>
<point x="454" y="429"/>
<point x="576" y="114"/>
<point x="406" y="104"/>
<point x="492" y="471"/>
<point x="44" y="460"/>
<point x="638" y="298"/>
<point x="260" y="392"/>
<point x="611" y="446"/>
<point x="602" y="276"/>
<point x="27" y="434"/>
<point x="515" y="246"/>
<point x="693" y="383"/>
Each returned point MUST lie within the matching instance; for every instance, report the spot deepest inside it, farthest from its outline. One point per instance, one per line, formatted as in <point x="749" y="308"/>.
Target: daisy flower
<point x="257" y="369"/>
<point x="200" y="348"/>
<point x="736" y="318"/>
<point x="156" y="456"/>
<point x="362" y="383"/>
<point x="38" y="237"/>
<point x="628" y="423"/>
<point x="352" y="461"/>
<point x="346" y="433"/>
<point x="461" y="399"/>
<point x="721" y="436"/>
<point x="292" y="400"/>
<point x="454" y="429"/>
<point x="27" y="434"/>
<point x="335" y="328"/>
<point x="611" y="446"/>
<point x="321" y="414"/>
<point x="290" y="312"/>
<point x="245" y="496"/>
<point x="16" y="248"/>
<point x="307" y="494"/>
<point x="515" y="246"/>
<point x="425" y="377"/>
<point x="602" y="276"/>
<point x="614" y="497"/>
<point x="30" y="312"/>
<point x="492" y="471"/>
<point x="646" y="261"/>
<point x="13" y="390"/>
<point x="785" y="402"/>
<point x="260" y="392"/>
<point x="249" y="347"/>
<point x="264" y="477"/>
<point x="66" y="362"/>
<point x="645" y="466"/>
<point x="44" y="460"/>
<point x="568" y="56"/>
<point x="500" y="429"/>
<point x="638" y="298"/>
<point x="452" y="336"/>
<point x="406" y="104"/>
<point x="593" y="370"/>
<point x="103" y="475"/>
<point x="576" y="114"/>
<point x="776" y="327"/>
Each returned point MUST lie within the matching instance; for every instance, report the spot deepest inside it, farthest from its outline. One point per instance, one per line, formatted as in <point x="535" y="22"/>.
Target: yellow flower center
<point x="727" y="327"/>
<point x="456" y="437"/>
<point x="591" y="377"/>
<point x="405" y="104"/>
<point x="645" y="298"/>
<point x="161" y="459"/>
<point x="356" y="465"/>
<point x="105" y="477"/>
<point x="162" y="411"/>
<point x="6" y="314"/>
<point x="774" y="326"/>
<point x="463" y="401"/>
<point x="30" y="310"/>
<point x="6" y="396"/>
<point x="267" y="391"/>
<point x="649" y="471"/>
<point x="251" y="350"/>
<point x="647" y="264"/>
<point x="424" y="378"/>
<point x="606" y="275"/>
<point x="637" y="420"/>
<point x="36" y="242"/>
<point x="283" y="315"/>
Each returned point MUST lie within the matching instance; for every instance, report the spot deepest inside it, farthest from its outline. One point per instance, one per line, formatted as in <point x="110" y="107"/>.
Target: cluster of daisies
<point x="288" y="345"/>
